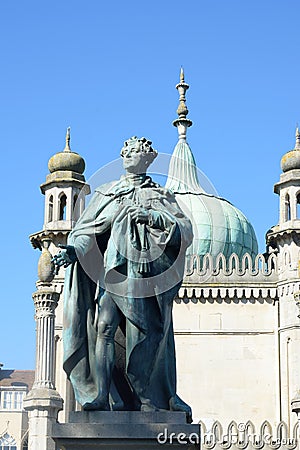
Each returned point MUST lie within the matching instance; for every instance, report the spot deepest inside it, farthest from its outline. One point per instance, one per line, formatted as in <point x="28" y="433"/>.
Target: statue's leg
<point x="108" y="321"/>
<point x="143" y="347"/>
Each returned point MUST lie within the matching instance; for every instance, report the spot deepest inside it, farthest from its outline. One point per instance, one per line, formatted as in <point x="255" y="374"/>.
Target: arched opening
<point x="75" y="207"/>
<point x="298" y="206"/>
<point x="7" y="442"/>
<point x="62" y="207"/>
<point x="287" y="208"/>
<point x="50" y="209"/>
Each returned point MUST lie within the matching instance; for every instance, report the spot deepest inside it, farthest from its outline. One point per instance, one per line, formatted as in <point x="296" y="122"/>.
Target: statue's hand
<point x="139" y="214"/>
<point x="65" y="257"/>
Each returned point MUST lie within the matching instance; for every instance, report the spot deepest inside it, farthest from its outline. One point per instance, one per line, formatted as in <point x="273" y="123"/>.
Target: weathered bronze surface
<point x="125" y="261"/>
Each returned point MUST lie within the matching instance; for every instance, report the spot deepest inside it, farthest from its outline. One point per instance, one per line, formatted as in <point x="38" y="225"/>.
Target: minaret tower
<point x="63" y="185"/>
<point x="284" y="238"/>
<point x="65" y="190"/>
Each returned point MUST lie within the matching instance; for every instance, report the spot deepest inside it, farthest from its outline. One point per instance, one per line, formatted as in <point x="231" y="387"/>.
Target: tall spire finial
<point x="182" y="123"/>
<point x="297" y="145"/>
<point x="67" y="147"/>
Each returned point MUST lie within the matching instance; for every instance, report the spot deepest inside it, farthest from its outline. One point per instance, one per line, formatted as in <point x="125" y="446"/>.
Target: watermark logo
<point x="241" y="435"/>
<point x="166" y="437"/>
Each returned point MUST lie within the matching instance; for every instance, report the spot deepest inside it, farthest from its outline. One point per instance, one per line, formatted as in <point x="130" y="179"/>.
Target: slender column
<point x="45" y="302"/>
<point x="43" y="402"/>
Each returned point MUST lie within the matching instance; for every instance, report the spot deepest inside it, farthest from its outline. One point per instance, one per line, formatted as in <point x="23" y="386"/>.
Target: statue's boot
<point x="147" y="406"/>
<point x="177" y="404"/>
<point x="97" y="405"/>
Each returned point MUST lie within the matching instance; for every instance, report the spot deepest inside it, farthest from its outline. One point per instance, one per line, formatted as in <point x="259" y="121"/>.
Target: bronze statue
<point x="125" y="259"/>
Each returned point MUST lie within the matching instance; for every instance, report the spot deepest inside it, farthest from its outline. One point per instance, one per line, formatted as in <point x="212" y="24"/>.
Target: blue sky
<point x="108" y="70"/>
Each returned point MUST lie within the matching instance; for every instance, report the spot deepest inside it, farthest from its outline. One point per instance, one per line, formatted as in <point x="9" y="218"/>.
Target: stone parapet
<point x="244" y="435"/>
<point x="262" y="267"/>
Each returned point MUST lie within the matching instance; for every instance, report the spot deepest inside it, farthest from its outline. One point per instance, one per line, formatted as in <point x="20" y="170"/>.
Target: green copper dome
<point x="219" y="227"/>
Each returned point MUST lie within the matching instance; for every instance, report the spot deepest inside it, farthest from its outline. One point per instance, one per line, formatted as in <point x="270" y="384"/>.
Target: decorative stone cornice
<point x="290" y="287"/>
<point x="37" y="238"/>
<point x="218" y="291"/>
<point x="63" y="178"/>
<point x="278" y="233"/>
<point x="291" y="178"/>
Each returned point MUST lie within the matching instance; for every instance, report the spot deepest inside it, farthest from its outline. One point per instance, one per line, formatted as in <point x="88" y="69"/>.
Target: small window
<point x="75" y="207"/>
<point x="62" y="207"/>
<point x="11" y="400"/>
<point x="7" y="399"/>
<point x="298" y="206"/>
<point x="50" y="209"/>
<point x="75" y="200"/>
<point x="287" y="208"/>
<point x="18" y="400"/>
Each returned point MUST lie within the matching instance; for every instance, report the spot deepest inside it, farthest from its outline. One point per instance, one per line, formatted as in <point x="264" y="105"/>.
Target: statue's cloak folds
<point x="141" y="267"/>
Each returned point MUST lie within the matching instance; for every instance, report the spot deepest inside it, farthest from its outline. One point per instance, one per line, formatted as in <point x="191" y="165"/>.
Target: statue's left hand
<point x="65" y="257"/>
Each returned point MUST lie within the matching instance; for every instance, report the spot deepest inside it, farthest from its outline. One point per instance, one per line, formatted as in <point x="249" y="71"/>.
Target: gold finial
<point x="67" y="147"/>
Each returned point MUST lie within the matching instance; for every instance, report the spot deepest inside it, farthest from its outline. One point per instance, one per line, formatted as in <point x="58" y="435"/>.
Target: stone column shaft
<point x="45" y="304"/>
<point x="43" y="402"/>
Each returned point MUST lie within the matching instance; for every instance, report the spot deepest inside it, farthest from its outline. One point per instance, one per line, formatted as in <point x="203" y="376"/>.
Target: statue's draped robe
<point x="140" y="266"/>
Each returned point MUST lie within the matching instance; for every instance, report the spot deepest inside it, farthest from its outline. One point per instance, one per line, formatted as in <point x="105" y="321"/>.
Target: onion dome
<point x="291" y="160"/>
<point x="66" y="160"/>
<point x="218" y="226"/>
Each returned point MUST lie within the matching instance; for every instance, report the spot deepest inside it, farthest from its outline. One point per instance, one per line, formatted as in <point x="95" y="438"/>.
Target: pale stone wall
<point x="227" y="358"/>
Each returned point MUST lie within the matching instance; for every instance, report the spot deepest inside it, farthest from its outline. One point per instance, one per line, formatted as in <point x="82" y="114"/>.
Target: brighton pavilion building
<point x="236" y="316"/>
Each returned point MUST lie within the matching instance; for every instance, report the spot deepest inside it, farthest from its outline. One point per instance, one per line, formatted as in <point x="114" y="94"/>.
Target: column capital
<point x="45" y="301"/>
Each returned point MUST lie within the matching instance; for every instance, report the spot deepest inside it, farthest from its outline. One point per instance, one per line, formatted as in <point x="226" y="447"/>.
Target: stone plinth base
<point x="126" y="430"/>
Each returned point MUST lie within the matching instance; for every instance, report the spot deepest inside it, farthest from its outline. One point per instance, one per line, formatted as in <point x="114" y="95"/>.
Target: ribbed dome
<point x="66" y="160"/>
<point x="218" y="226"/>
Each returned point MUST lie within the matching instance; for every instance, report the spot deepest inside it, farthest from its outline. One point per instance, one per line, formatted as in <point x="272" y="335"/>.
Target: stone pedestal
<point x="126" y="430"/>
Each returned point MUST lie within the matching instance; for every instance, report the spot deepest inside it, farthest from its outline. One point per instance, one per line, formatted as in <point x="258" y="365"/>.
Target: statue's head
<point x="137" y="155"/>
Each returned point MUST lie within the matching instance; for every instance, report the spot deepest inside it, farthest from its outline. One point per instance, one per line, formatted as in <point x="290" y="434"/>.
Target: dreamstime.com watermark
<point x="166" y="437"/>
<point x="241" y="435"/>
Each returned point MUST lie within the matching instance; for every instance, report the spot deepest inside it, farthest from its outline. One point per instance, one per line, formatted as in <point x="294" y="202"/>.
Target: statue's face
<point x="134" y="160"/>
